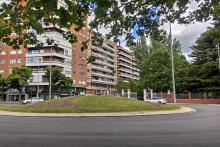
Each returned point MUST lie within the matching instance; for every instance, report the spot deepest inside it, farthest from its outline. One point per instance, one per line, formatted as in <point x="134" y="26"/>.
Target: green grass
<point x="88" y="104"/>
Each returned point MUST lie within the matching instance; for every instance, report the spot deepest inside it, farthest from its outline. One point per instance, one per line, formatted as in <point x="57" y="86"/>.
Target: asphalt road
<point x="201" y="129"/>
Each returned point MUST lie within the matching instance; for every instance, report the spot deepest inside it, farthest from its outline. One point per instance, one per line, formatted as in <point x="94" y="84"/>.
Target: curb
<point x="116" y="114"/>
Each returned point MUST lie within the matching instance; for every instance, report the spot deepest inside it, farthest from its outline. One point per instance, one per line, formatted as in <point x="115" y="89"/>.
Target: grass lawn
<point x="88" y="104"/>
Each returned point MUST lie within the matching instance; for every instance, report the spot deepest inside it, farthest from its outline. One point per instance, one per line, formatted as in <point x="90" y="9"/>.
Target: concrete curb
<point x="116" y="114"/>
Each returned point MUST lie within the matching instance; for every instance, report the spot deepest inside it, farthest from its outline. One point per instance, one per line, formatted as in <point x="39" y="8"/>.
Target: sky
<point x="187" y="35"/>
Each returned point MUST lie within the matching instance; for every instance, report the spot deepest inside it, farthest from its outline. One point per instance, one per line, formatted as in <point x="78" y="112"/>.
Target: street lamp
<point x="173" y="68"/>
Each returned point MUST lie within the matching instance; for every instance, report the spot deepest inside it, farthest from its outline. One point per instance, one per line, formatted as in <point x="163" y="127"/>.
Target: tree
<point x="120" y="16"/>
<point x="60" y="83"/>
<point x="204" y="72"/>
<point x="19" y="77"/>
<point x="155" y="68"/>
<point x="4" y="85"/>
<point x="130" y="84"/>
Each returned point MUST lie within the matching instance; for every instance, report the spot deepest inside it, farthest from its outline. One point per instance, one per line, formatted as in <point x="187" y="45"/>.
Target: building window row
<point x="12" y="52"/>
<point x="14" y="61"/>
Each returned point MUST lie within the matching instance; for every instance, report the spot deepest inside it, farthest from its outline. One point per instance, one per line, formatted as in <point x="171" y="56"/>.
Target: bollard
<point x="129" y="93"/>
<point x="145" y="94"/>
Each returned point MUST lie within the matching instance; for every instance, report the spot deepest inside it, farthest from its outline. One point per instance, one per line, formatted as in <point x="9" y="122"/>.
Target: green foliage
<point x="155" y="65"/>
<point x="203" y="74"/>
<point x="60" y="83"/>
<point x="88" y="104"/>
<point x="131" y="84"/>
<point x="19" y="77"/>
<point x="4" y="85"/>
<point x="120" y="16"/>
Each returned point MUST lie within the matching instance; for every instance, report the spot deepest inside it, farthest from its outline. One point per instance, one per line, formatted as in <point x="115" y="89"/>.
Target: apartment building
<point x="113" y="63"/>
<point x="127" y="65"/>
<point x="39" y="59"/>
<point x="10" y="58"/>
<point x="102" y="74"/>
<point x="79" y="61"/>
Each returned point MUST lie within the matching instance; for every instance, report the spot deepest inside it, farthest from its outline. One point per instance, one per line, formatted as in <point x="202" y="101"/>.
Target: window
<point x="13" y="61"/>
<point x="82" y="58"/>
<point x="82" y="74"/>
<point x="13" y="52"/>
<point x="19" y="60"/>
<point x="19" y="51"/>
<point x="82" y="65"/>
<point x="83" y="82"/>
<point x="2" y="61"/>
<point x="2" y="53"/>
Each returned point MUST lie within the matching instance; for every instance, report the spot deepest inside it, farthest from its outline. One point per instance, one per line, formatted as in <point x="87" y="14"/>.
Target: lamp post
<point x="50" y="87"/>
<point x="173" y="68"/>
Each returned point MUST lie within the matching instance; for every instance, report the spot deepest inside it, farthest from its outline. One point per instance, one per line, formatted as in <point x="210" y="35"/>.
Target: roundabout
<point x="201" y="128"/>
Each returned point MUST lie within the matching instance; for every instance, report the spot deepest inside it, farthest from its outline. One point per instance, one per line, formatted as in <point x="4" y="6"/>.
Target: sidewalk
<point x="146" y="113"/>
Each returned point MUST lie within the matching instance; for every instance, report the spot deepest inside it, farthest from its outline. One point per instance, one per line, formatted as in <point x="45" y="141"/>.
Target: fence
<point x="191" y="98"/>
<point x="132" y="95"/>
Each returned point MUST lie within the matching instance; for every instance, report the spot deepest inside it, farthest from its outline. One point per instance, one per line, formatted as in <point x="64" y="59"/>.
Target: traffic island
<point x="91" y="106"/>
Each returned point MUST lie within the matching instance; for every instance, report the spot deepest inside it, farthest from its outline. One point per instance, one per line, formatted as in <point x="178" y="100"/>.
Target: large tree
<point x="19" y="77"/>
<point x="204" y="72"/>
<point x="120" y="16"/>
<point x="155" y="68"/>
<point x="59" y="81"/>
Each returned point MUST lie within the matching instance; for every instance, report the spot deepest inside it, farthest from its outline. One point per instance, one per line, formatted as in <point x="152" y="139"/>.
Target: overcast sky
<point x="187" y="34"/>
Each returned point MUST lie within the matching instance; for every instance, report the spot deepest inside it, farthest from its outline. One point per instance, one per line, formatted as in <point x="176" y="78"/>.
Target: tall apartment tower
<point x="102" y="77"/>
<point x="39" y="59"/>
<point x="127" y="65"/>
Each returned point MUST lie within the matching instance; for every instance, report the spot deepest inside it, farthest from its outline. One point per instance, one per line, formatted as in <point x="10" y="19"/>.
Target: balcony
<point x="106" y="46"/>
<point x="103" y="82"/>
<point x="46" y="63"/>
<point x="125" y="65"/>
<point x="100" y="49"/>
<point x="62" y="43"/>
<point x="98" y="55"/>
<point x="38" y="83"/>
<point x="125" y="60"/>
<point x="101" y="69"/>
<point x="126" y="70"/>
<point x="103" y="75"/>
<point x="125" y="75"/>
<point x="48" y="54"/>
<point x="124" y="54"/>
<point x="104" y="63"/>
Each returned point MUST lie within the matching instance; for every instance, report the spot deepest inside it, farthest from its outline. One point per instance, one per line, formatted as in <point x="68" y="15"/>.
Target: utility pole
<point x="173" y="68"/>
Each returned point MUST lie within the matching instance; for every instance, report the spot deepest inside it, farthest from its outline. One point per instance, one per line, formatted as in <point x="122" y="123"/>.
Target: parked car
<point x="32" y="100"/>
<point x="157" y="100"/>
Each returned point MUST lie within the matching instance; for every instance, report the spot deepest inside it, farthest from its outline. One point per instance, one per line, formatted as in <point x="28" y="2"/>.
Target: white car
<point x="157" y="100"/>
<point x="32" y="100"/>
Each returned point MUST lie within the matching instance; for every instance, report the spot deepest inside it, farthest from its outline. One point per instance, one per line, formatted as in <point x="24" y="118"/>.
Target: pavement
<point x="143" y="113"/>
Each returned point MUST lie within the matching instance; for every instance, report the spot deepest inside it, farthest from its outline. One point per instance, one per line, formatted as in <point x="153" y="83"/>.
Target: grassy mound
<point x="88" y="104"/>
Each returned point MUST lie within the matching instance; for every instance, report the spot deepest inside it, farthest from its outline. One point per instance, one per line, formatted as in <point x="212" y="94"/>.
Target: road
<point x="201" y="129"/>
